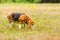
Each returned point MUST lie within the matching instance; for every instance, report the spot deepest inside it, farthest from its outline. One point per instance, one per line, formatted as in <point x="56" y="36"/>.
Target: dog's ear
<point x="31" y="21"/>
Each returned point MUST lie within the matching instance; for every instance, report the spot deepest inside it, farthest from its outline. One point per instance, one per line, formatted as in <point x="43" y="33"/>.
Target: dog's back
<point x="16" y="16"/>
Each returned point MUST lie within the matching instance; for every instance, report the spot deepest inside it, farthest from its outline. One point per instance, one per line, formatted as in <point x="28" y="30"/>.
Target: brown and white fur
<point x="23" y="19"/>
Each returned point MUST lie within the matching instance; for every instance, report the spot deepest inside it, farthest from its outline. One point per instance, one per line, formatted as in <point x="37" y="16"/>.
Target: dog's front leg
<point x="19" y="26"/>
<point x="24" y="24"/>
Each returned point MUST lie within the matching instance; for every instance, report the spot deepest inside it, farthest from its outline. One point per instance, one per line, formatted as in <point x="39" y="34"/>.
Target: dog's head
<point x="31" y="23"/>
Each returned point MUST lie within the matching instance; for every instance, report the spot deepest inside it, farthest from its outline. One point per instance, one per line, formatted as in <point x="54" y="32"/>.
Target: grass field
<point x="46" y="17"/>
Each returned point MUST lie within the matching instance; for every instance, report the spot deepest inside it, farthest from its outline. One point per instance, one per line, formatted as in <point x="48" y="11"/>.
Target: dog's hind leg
<point x="13" y="24"/>
<point x="10" y="24"/>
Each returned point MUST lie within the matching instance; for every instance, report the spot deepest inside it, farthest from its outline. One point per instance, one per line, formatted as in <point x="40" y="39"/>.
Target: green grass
<point x="45" y="16"/>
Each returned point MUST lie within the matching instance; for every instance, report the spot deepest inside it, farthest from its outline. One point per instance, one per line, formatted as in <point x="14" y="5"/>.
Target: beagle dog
<point x="21" y="18"/>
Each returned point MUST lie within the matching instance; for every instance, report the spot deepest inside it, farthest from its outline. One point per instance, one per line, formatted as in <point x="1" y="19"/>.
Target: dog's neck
<point x="27" y="19"/>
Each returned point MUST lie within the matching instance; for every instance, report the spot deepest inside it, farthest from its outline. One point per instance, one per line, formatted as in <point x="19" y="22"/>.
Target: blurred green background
<point x="30" y="1"/>
<point x="46" y="16"/>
